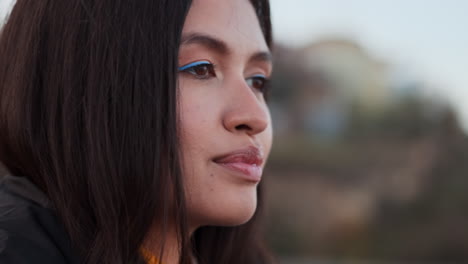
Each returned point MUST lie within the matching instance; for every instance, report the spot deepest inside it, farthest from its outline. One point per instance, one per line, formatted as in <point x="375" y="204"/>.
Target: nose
<point x="246" y="111"/>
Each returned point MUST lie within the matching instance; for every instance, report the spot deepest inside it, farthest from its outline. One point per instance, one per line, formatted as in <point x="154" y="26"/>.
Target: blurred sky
<point x="4" y="6"/>
<point x="427" y="38"/>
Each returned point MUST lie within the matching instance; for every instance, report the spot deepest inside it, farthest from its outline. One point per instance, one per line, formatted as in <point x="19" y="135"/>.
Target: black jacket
<point x="30" y="231"/>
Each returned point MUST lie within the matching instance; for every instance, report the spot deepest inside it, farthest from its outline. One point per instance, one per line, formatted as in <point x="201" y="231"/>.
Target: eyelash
<point x="192" y="68"/>
<point x="209" y="69"/>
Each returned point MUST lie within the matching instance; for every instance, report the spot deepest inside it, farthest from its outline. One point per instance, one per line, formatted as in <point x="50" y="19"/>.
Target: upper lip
<point x="250" y="155"/>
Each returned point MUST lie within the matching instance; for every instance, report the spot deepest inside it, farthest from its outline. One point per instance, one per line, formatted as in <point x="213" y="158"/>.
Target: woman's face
<point x="226" y="133"/>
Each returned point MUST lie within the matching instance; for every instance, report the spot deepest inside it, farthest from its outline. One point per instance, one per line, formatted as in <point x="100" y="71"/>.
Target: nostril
<point x="242" y="127"/>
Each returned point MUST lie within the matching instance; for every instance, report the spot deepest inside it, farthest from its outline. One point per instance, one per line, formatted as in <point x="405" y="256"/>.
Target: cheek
<point x="193" y="112"/>
<point x="198" y="118"/>
<point x="193" y="123"/>
<point x="198" y="104"/>
<point x="266" y="137"/>
<point x="213" y="196"/>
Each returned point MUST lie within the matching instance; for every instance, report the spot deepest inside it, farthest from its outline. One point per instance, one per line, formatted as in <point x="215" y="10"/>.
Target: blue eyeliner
<point x="258" y="76"/>
<point x="193" y="64"/>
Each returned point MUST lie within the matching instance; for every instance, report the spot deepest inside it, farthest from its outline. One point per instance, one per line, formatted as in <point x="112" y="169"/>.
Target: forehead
<point x="233" y="21"/>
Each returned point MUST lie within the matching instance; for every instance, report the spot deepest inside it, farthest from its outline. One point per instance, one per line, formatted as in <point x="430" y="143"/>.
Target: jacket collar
<point x="23" y="187"/>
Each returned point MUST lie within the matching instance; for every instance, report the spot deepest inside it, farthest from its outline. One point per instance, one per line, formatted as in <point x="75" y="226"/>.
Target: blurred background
<point x="370" y="161"/>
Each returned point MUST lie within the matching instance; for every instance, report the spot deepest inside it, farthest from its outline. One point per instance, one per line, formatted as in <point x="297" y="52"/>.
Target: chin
<point x="235" y="217"/>
<point x="227" y="212"/>
<point x="238" y="209"/>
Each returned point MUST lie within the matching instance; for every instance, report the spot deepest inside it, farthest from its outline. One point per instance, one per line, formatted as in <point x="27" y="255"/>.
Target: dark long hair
<point x="88" y="112"/>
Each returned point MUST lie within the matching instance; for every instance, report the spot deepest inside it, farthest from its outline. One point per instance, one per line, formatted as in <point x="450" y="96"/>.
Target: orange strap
<point x="150" y="258"/>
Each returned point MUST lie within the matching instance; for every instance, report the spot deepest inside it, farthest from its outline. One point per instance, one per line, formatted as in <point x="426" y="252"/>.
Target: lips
<point x="244" y="162"/>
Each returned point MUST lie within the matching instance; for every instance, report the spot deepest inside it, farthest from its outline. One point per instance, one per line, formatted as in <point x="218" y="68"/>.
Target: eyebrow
<point x="219" y="46"/>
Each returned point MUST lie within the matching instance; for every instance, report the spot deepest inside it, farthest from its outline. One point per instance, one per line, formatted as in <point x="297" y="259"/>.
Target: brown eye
<point x="258" y="82"/>
<point x="200" y="70"/>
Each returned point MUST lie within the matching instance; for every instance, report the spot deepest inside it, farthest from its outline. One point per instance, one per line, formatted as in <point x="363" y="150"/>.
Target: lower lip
<point x="249" y="172"/>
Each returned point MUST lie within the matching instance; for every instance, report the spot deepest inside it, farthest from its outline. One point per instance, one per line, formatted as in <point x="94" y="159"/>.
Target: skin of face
<point x="220" y="112"/>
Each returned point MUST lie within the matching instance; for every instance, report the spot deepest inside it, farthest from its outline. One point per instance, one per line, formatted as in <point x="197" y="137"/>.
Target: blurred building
<point x="353" y="73"/>
<point x="337" y="77"/>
